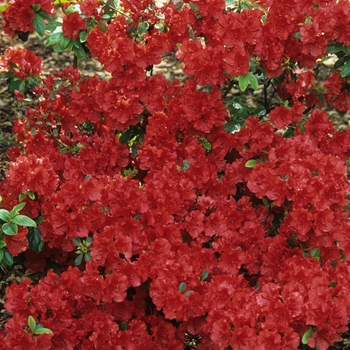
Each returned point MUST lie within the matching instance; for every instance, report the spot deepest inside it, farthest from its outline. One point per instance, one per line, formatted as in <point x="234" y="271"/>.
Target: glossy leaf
<point x="182" y="287"/>
<point x="10" y="228"/>
<point x="4" y="215"/>
<point x="31" y="323"/>
<point x="39" y="24"/>
<point x="23" y="220"/>
<point x="43" y="330"/>
<point x="243" y="82"/>
<point x="250" y="163"/>
<point x="34" y="239"/>
<point x="7" y="259"/>
<point x="345" y="71"/>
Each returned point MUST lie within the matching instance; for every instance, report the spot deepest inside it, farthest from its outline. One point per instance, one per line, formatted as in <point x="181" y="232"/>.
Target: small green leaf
<point x="232" y="127"/>
<point x="31" y="195"/>
<point x="64" y="42"/>
<point x="83" y="36"/>
<point x="39" y="24"/>
<point x="335" y="48"/>
<point x="10" y="228"/>
<point x="1" y="255"/>
<point x="4" y="215"/>
<point x="80" y="53"/>
<point x="23" y="220"/>
<point x="31" y="323"/>
<point x="182" y="286"/>
<point x="178" y="6"/>
<point x="186" y="164"/>
<point x="3" y="7"/>
<point x="17" y="208"/>
<point x="253" y="80"/>
<point x="53" y="39"/>
<point x="76" y="241"/>
<point x="78" y="260"/>
<point x="142" y="28"/>
<point x="250" y="163"/>
<point x="87" y="256"/>
<point x="205" y="275"/>
<point x="124" y="326"/>
<point x="308" y="334"/>
<point x="2" y="244"/>
<point x="315" y="253"/>
<point x="194" y="8"/>
<point x="7" y="259"/>
<point x="34" y="239"/>
<point x="43" y="330"/>
<point x="345" y="71"/>
<point x="243" y="82"/>
<point x="36" y="7"/>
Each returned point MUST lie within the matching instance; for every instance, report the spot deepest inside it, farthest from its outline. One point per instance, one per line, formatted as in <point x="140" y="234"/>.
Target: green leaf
<point x="31" y="195"/>
<point x="4" y="215"/>
<point x="17" y="208"/>
<point x="142" y="28"/>
<point x="23" y="220"/>
<point x="243" y="82"/>
<point x="43" y="330"/>
<point x="31" y="323"/>
<point x="186" y="164"/>
<point x="250" y="163"/>
<point x="10" y="228"/>
<point x="7" y="259"/>
<point x="182" y="286"/>
<point x="45" y="15"/>
<point x="178" y="6"/>
<point x="1" y="255"/>
<point x="34" y="239"/>
<point x="76" y="241"/>
<point x="289" y="133"/>
<point x="39" y="24"/>
<point x="194" y="8"/>
<point x="232" y="127"/>
<point x="36" y="7"/>
<point x="253" y="80"/>
<point x="2" y="244"/>
<point x="124" y="326"/>
<point x="80" y="53"/>
<point x="72" y="8"/>
<point x="64" y="42"/>
<point x="205" y="275"/>
<point x="87" y="257"/>
<point x="339" y="62"/>
<point x="53" y="39"/>
<point x="78" y="260"/>
<point x="345" y="71"/>
<point x="335" y="48"/>
<point x="3" y="7"/>
<point x="308" y="334"/>
<point x="83" y="36"/>
<point x="315" y="253"/>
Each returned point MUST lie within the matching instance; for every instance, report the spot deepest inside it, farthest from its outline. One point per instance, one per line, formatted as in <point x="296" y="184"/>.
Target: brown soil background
<point x="53" y="61"/>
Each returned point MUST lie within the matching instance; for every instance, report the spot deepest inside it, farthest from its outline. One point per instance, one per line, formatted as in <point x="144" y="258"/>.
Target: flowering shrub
<point x="177" y="216"/>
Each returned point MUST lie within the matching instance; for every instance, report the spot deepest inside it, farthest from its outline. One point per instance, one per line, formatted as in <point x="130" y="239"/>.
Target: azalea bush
<point x="171" y="214"/>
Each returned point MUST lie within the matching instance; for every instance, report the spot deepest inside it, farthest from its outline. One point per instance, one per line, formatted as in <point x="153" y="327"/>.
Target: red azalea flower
<point x="19" y="16"/>
<point x="18" y="243"/>
<point x="72" y="24"/>
<point x="342" y="101"/>
<point x="26" y="62"/>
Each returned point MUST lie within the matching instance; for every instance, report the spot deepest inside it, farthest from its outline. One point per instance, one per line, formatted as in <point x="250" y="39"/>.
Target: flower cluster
<point x="204" y="225"/>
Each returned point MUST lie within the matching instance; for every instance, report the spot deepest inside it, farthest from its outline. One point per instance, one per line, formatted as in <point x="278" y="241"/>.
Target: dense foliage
<point x="170" y="214"/>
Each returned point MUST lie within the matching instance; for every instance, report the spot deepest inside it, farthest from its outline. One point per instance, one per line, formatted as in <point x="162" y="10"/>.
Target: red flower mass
<point x="210" y="226"/>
